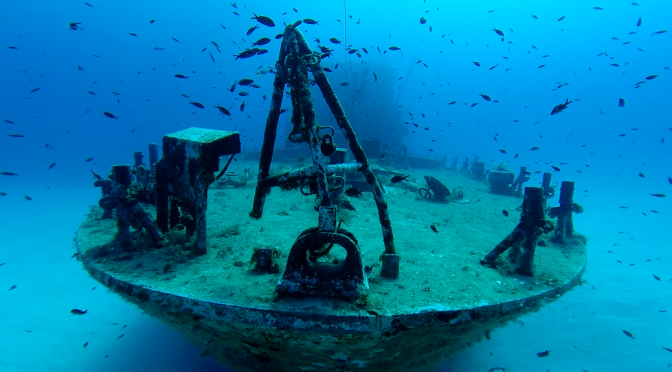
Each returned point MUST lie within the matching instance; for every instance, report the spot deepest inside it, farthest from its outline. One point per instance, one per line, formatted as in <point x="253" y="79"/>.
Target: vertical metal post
<point x="122" y="179"/>
<point x="153" y="156"/>
<point x="533" y="212"/>
<point x="271" y="130"/>
<point x="565" y="220"/>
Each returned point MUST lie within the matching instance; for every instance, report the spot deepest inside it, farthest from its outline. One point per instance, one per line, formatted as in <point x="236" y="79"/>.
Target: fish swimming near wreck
<point x="559" y="108"/>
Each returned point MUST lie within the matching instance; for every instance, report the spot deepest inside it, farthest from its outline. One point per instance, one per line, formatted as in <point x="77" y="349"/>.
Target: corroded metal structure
<point x="295" y="60"/>
<point x="184" y="174"/>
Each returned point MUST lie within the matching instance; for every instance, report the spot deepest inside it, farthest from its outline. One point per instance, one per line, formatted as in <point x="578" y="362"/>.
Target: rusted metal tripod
<point x="302" y="275"/>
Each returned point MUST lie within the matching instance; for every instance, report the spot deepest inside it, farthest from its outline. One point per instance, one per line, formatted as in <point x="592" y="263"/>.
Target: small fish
<point x="122" y="335"/>
<point x="375" y="77"/>
<point x="132" y="34"/>
<point x="13" y="287"/>
<point x="485" y="97"/>
<point x="196" y="104"/>
<point x="9" y="174"/>
<point x="621" y="102"/>
<point x="85" y="345"/>
<point x="251" y="30"/>
<point x="78" y="312"/>
<point x="556" y="168"/>
<point x="223" y="110"/>
<point x="656" y="277"/>
<point x="561" y="18"/>
<point x="15" y="135"/>
<point x="8" y="121"/>
<point x="266" y="21"/>
<point x="505" y="213"/>
<point x="659" y="32"/>
<point x="651" y="77"/>
<point x="543" y="354"/>
<point x="353" y="191"/>
<point x="499" y="32"/>
<point x="311" y="21"/>
<point x="247" y="53"/>
<point x="34" y="90"/>
<point x="628" y="334"/>
<point x="245" y="81"/>
<point x="242" y="106"/>
<point x="477" y="63"/>
<point x="397" y="179"/>
<point x="111" y="116"/>
<point x="497" y="369"/>
<point x="180" y="76"/>
<point x="262" y="41"/>
<point x="88" y="160"/>
<point x="51" y="166"/>
<point x="559" y="108"/>
<point x="175" y="39"/>
<point x="639" y="22"/>
<point x="659" y="195"/>
<point x="667" y="348"/>
<point x="394" y="48"/>
<point x="434" y="229"/>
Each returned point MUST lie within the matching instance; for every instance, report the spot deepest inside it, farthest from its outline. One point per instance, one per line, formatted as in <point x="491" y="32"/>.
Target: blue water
<point x="594" y="141"/>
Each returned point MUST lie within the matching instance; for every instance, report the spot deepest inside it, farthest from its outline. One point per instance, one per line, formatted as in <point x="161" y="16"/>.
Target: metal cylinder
<point x="137" y="158"/>
<point x="153" y="156"/>
<point x="533" y="214"/>
<point x="122" y="174"/>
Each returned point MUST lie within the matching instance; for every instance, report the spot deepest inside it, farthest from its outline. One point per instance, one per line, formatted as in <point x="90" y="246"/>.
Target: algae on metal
<point x="443" y="300"/>
<point x="443" y="269"/>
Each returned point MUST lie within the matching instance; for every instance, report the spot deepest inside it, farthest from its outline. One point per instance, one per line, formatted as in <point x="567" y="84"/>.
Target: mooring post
<point x="565" y="220"/>
<point x="546" y="185"/>
<point x="465" y="166"/>
<point x="534" y="216"/>
<point x="153" y="156"/>
<point x="137" y="159"/>
<point x="518" y="184"/>
<point x="533" y="222"/>
<point x="453" y="165"/>
<point x="122" y="179"/>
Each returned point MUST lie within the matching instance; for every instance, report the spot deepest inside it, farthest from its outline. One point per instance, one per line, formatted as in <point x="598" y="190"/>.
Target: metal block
<point x="190" y="159"/>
